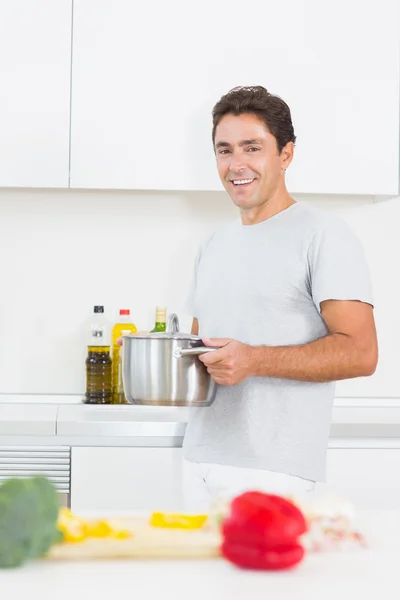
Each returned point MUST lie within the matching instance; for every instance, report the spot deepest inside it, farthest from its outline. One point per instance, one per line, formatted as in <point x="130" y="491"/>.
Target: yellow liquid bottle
<point x="122" y="327"/>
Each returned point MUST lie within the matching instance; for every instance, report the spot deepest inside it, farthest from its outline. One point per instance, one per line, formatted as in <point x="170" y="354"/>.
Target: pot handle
<point x="179" y="352"/>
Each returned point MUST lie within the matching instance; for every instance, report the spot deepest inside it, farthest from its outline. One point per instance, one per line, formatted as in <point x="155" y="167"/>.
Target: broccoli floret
<point x="28" y="519"/>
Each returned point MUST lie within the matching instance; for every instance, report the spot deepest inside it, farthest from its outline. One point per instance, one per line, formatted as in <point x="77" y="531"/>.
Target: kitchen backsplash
<point x="62" y="252"/>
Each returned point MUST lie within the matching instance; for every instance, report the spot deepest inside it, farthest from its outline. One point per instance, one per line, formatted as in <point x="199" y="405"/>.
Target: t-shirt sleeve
<point x="338" y="266"/>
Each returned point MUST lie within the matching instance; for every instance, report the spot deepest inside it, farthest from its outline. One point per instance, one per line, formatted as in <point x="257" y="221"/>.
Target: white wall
<point x="61" y="252"/>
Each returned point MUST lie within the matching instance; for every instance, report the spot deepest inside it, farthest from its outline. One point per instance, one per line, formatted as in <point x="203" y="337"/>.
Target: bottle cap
<point x="124" y="311"/>
<point x="99" y="309"/>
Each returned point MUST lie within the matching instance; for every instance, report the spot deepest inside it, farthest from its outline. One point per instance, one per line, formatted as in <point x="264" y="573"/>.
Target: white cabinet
<point x="126" y="479"/>
<point x="145" y="479"/>
<point x="368" y="477"/>
<point x="146" y="75"/>
<point x="35" y="66"/>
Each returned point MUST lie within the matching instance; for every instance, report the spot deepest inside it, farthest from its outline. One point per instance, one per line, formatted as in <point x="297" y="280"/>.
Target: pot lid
<point x="176" y="335"/>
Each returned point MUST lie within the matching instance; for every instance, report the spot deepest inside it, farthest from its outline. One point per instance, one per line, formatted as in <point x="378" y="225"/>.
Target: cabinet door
<point x="35" y="67"/>
<point x="146" y="76"/>
<point x="368" y="477"/>
<point x="126" y="479"/>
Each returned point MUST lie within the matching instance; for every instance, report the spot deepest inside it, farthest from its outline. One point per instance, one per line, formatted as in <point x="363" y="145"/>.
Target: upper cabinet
<point x="145" y="76"/>
<point x="35" y="71"/>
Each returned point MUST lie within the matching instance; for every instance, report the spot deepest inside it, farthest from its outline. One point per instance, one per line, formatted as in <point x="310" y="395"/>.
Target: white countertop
<point x="340" y="401"/>
<point x="76" y="423"/>
<point x="359" y="573"/>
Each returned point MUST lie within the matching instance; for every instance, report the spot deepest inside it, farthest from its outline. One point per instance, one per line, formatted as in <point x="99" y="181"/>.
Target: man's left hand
<point x="232" y="363"/>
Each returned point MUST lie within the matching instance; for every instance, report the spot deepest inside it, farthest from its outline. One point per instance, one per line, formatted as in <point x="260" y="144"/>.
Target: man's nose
<point x="237" y="163"/>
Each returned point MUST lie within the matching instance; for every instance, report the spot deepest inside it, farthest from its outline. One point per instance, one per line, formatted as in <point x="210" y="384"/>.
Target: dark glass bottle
<point x="98" y="375"/>
<point x="98" y="361"/>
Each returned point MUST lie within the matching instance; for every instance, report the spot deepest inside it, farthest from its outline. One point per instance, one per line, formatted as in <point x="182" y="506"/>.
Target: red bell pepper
<point x="262" y="532"/>
<point x="263" y="519"/>
<point x="258" y="557"/>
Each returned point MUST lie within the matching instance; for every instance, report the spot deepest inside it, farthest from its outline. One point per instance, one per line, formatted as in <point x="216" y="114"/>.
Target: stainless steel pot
<point x="163" y="369"/>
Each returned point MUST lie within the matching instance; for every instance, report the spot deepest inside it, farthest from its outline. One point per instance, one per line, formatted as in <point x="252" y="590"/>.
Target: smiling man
<point x="284" y="294"/>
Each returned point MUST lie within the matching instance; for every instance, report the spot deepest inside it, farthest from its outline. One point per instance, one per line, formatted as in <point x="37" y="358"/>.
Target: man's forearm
<point x="330" y="358"/>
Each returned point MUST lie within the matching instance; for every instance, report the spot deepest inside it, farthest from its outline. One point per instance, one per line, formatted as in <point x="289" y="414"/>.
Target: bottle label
<point x="97" y="332"/>
<point x="97" y="335"/>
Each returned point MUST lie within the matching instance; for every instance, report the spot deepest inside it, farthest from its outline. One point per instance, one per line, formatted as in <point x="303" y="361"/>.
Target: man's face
<point x="249" y="164"/>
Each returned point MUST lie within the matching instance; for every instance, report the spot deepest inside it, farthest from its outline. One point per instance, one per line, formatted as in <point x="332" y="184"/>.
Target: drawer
<point x="53" y="462"/>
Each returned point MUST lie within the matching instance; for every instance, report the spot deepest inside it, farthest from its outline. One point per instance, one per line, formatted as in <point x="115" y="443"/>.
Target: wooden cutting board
<point x="146" y="542"/>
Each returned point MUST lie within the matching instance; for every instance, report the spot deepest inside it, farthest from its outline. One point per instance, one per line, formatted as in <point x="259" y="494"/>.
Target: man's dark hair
<point x="256" y="100"/>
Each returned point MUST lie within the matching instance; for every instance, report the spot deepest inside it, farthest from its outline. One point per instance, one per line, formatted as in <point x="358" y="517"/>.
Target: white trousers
<point x="204" y="484"/>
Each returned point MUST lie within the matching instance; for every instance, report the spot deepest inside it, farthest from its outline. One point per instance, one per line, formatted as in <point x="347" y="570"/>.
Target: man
<point x="284" y="294"/>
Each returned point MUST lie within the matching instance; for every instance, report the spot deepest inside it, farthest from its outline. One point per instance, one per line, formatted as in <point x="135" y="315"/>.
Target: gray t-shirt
<point x="262" y="285"/>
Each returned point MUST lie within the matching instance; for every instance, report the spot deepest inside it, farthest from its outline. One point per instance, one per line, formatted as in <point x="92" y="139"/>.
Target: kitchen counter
<point x="70" y="424"/>
<point x="363" y="573"/>
<point x="82" y="425"/>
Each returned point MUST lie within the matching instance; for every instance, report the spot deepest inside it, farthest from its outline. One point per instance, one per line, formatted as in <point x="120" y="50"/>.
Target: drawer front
<point x="53" y="462"/>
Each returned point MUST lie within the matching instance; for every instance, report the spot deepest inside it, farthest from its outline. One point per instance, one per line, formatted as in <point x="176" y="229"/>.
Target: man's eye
<point x="251" y="149"/>
<point x="224" y="151"/>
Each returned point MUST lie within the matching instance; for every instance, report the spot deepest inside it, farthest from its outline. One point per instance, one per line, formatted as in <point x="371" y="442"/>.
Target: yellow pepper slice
<point x="76" y="529"/>
<point x="177" y="521"/>
<point x="99" y="529"/>
<point x="73" y="529"/>
<point x="121" y="534"/>
<point x="103" y="529"/>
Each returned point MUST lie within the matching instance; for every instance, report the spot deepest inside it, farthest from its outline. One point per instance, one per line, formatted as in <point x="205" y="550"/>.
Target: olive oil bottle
<point x="98" y="361"/>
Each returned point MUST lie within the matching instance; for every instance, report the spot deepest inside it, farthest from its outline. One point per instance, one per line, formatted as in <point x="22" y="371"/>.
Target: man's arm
<point x="195" y="327"/>
<point x="349" y="350"/>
